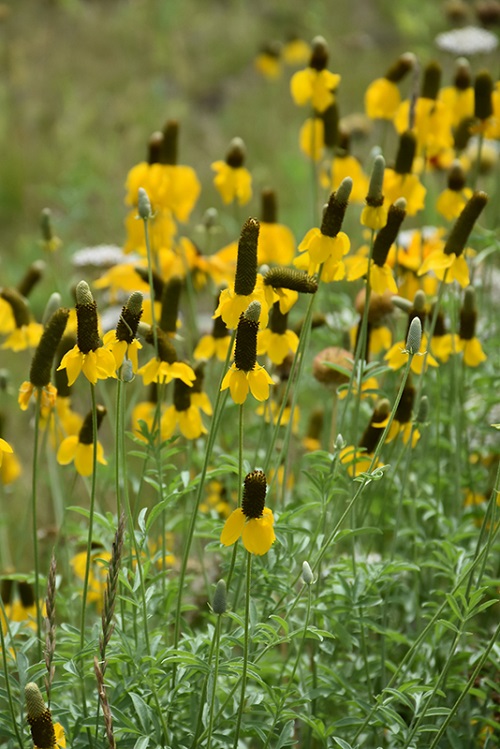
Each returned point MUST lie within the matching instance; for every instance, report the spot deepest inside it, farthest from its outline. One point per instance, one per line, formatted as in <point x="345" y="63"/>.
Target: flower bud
<point x="219" y="601"/>
<point x="127" y="371"/>
<point x="144" y="205"/>
<point x="307" y="573"/>
<point x="423" y="410"/>
<point x="375" y="196"/>
<point x="52" y="305"/>
<point x="414" y="337"/>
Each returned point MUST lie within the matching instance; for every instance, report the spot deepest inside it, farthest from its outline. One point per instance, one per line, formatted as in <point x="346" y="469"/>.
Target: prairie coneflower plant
<point x="279" y="385"/>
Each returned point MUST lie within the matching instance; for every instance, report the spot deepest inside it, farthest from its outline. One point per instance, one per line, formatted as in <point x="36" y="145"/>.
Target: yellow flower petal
<point x="233" y="527"/>
<point x="67" y="450"/>
<point x="258" y="535"/>
<point x="259" y="381"/>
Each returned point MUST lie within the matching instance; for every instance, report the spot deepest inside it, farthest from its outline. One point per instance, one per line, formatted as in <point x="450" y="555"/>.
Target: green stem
<point x="466" y="689"/>
<point x="294" y="670"/>
<point x="218" y="409"/>
<point x="294" y="376"/>
<point x="91" y="517"/>
<point x="366" y="478"/>
<point x="360" y="349"/>
<point x="13" y="712"/>
<point x="245" y="653"/>
<point x="151" y="285"/>
<point x="411" y="653"/>
<point x="197" y="739"/>
<point x="214" y="682"/>
<point x="34" y="499"/>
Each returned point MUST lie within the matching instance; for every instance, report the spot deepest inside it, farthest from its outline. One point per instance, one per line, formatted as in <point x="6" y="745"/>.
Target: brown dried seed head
<point x="326" y="374"/>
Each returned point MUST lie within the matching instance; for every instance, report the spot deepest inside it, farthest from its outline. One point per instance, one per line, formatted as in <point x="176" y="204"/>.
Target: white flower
<point x="470" y="40"/>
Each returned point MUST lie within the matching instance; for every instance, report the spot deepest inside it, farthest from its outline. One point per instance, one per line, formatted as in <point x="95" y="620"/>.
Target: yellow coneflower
<point x="315" y="84"/>
<point x="382" y="97"/>
<point x="378" y="270"/>
<point x="276" y="242"/>
<point x="166" y="366"/>
<point x="358" y="458"/>
<point x="253" y="521"/>
<point x="88" y="355"/>
<point x="41" y="365"/>
<point x="232" y="179"/>
<point x="328" y="244"/>
<point x="449" y="263"/>
<point x="400" y="182"/>
<point x="26" y="333"/>
<point x="467" y="342"/>
<point x="122" y="341"/>
<point x="248" y="285"/>
<point x="245" y="375"/>
<point x="45" y="733"/>
<point x="80" y="448"/>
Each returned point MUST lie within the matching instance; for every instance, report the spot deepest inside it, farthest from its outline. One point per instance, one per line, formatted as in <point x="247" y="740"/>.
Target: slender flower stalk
<point x="245" y="653"/>
<point x="219" y="605"/>
<point x="218" y="410"/>
<point x="91" y="517"/>
<point x="307" y="578"/>
<point x="50" y="639"/>
<point x="14" y="711"/>
<point x="145" y="213"/>
<point x="34" y="520"/>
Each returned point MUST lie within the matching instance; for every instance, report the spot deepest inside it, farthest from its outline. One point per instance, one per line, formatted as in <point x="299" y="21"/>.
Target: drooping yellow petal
<point x="258" y="535"/>
<point x="205" y="348"/>
<point x="72" y="361"/>
<point x="67" y="450"/>
<point x="358" y="267"/>
<point x="473" y="352"/>
<point x="312" y="138"/>
<point x="238" y="385"/>
<point x="382" y="99"/>
<point x="190" y="423"/>
<point x="381" y="279"/>
<point x="259" y="381"/>
<point x="233" y="527"/>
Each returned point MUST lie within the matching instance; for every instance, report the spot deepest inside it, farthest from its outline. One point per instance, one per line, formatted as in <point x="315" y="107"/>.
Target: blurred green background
<point x="84" y="83"/>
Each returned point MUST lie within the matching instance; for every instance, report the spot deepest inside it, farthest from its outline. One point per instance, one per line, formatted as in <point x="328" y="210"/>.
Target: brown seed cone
<point x="380" y="305"/>
<point x="325" y="373"/>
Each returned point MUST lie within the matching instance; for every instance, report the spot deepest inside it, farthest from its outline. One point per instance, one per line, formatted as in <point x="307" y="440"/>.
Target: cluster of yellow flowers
<point x="259" y="278"/>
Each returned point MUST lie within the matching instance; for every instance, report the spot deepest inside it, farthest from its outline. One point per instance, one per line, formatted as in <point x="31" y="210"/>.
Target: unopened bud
<point x="307" y="573"/>
<point x="375" y="196"/>
<point x="419" y="301"/>
<point x="414" y="338"/>
<point x="219" y="601"/>
<point x="401" y="303"/>
<point x="423" y="410"/>
<point x="144" y="204"/>
<point x="127" y="371"/>
<point x="51" y="306"/>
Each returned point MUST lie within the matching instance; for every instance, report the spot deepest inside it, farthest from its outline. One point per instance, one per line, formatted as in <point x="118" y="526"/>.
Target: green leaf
<point x="142" y="710"/>
<point x="340" y="742"/>
<point x="286" y="737"/>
